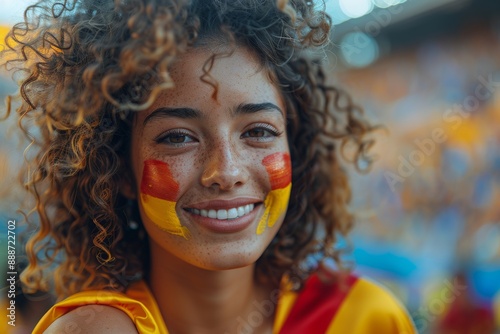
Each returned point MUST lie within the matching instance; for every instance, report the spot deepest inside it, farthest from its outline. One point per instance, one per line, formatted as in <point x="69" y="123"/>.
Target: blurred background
<point x="428" y="212"/>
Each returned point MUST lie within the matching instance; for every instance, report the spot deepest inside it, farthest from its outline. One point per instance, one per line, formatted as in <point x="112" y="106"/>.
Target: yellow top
<point x="366" y="308"/>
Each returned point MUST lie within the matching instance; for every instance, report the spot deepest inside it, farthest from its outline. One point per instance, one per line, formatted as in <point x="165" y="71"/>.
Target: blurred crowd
<point x="429" y="211"/>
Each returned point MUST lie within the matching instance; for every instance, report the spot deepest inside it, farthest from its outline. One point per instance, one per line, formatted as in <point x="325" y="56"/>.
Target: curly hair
<point x="85" y="67"/>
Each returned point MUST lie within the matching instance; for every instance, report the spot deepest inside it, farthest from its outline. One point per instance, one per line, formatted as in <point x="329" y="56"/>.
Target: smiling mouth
<point x="222" y="214"/>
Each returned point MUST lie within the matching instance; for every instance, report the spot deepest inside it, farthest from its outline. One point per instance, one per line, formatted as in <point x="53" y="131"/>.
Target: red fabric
<point x="316" y="306"/>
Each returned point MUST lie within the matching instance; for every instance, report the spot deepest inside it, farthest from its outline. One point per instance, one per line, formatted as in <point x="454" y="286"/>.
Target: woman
<point x="188" y="169"/>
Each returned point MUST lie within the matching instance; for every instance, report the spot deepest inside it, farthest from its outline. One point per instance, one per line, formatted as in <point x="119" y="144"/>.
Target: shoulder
<point x="98" y="311"/>
<point x="90" y="319"/>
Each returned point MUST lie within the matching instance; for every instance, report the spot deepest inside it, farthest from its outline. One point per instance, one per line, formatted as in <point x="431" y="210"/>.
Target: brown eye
<point x="176" y="138"/>
<point x="262" y="133"/>
<point x="257" y="133"/>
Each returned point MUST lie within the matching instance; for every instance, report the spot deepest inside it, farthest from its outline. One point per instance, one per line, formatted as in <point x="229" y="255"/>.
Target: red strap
<point x="316" y="306"/>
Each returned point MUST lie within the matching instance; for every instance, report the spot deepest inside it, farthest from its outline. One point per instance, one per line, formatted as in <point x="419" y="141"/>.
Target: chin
<point x="231" y="263"/>
<point x="213" y="252"/>
<point x="227" y="257"/>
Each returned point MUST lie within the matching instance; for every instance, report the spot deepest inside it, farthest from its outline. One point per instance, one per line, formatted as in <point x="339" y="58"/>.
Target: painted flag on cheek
<point x="159" y="195"/>
<point x="279" y="169"/>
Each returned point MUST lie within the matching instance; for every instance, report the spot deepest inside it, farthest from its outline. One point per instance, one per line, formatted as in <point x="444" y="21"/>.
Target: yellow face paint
<point x="279" y="168"/>
<point x="275" y="204"/>
<point x="158" y="197"/>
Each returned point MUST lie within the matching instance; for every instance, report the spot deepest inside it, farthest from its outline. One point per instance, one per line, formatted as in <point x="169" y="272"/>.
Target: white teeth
<point x="221" y="214"/>
<point x="225" y="214"/>
<point x="241" y="211"/>
<point x="232" y="213"/>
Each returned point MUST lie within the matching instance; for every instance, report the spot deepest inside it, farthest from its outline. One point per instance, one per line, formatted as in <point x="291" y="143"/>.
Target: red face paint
<point x="279" y="168"/>
<point x="157" y="181"/>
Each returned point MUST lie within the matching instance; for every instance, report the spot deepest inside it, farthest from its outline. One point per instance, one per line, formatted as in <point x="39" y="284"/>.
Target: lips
<point x="224" y="220"/>
<point x="223" y="214"/>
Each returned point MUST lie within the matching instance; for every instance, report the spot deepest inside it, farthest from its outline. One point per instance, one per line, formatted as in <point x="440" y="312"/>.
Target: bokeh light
<point x="356" y="8"/>
<point x="387" y="3"/>
<point x="359" y="49"/>
<point x="333" y="9"/>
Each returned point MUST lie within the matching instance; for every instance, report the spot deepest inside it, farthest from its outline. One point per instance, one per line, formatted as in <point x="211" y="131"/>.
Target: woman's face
<point x="212" y="171"/>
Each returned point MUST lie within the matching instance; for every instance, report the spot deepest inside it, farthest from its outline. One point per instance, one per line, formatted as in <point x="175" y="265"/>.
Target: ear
<point x="127" y="185"/>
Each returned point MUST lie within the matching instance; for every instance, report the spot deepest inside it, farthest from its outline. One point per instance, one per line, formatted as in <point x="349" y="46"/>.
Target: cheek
<point x="279" y="169"/>
<point x="157" y="181"/>
<point x="159" y="191"/>
<point x="278" y="166"/>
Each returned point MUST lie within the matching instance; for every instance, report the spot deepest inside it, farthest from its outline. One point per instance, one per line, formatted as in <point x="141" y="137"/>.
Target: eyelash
<point x="171" y="134"/>
<point x="179" y="133"/>
<point x="266" y="127"/>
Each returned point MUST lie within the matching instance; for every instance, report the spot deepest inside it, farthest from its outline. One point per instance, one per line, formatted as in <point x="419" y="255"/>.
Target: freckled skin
<point x="220" y="163"/>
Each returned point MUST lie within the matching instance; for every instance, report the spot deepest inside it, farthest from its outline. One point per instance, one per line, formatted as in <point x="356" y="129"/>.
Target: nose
<point x="223" y="168"/>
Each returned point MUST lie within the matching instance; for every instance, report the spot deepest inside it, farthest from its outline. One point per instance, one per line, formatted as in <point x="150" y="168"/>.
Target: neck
<point x="195" y="300"/>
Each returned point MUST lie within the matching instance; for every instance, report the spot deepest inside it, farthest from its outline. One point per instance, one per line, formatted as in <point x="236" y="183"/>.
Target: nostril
<point x="223" y="176"/>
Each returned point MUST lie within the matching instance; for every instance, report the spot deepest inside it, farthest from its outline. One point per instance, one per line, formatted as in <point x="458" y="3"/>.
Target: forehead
<point x="235" y="75"/>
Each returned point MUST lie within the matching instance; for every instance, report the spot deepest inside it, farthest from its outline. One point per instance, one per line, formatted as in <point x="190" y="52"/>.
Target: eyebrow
<point x="250" y="108"/>
<point x="190" y="113"/>
<point x="185" y="113"/>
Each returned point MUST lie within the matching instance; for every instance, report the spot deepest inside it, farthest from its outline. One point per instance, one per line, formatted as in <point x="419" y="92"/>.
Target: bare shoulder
<point x="93" y="319"/>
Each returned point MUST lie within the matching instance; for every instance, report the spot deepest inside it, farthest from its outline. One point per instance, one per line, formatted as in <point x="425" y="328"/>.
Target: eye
<point x="175" y="138"/>
<point x="262" y="132"/>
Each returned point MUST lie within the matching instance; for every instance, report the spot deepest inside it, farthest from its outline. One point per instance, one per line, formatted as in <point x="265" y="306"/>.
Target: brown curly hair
<point x="85" y="66"/>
